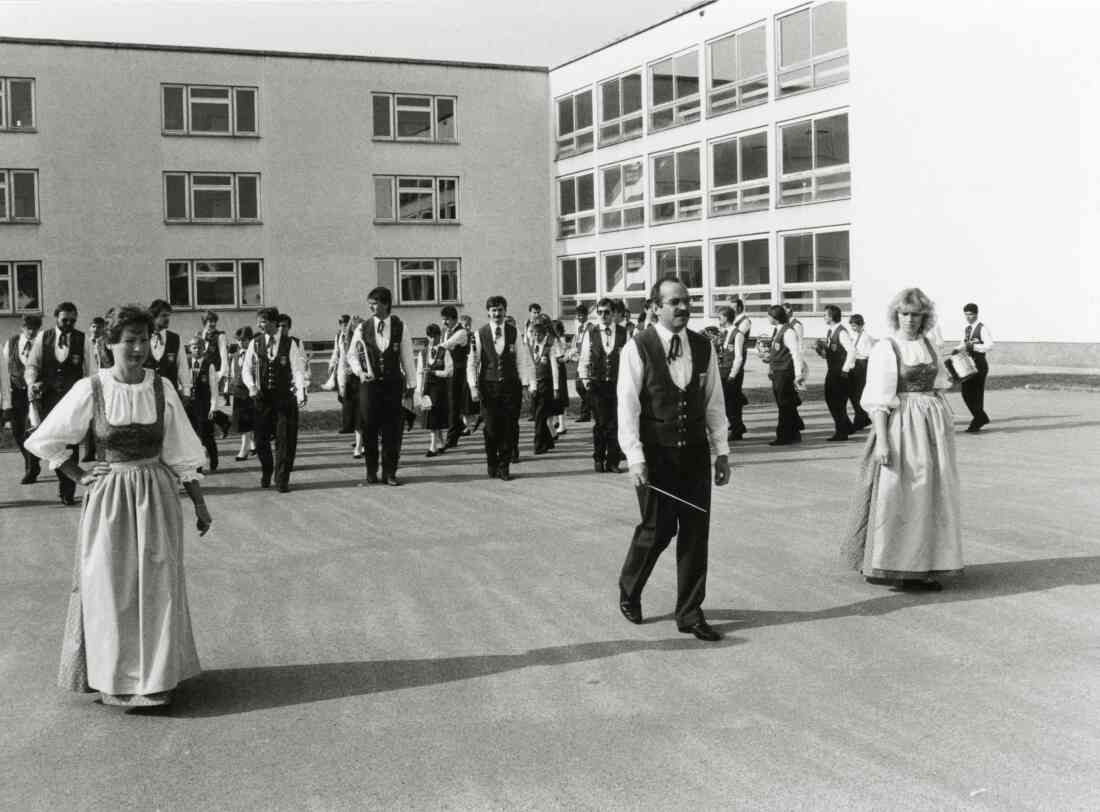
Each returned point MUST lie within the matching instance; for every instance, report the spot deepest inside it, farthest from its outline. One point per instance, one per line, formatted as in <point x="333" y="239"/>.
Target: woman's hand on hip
<point x="98" y="471"/>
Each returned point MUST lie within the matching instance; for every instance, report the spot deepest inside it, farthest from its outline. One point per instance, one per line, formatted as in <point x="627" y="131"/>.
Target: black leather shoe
<point x="515" y="456"/>
<point x="703" y="631"/>
<point x="612" y="468"/>
<point x="599" y="466"/>
<point x="392" y="480"/>
<point x="265" y="483"/>
<point x="68" y="501"/>
<point x="284" y="487"/>
<point x="28" y="479"/>
<point x="372" y="479"/>
<point x="492" y="471"/>
<point x="504" y="474"/>
<point x="632" y="610"/>
<point x="836" y="438"/>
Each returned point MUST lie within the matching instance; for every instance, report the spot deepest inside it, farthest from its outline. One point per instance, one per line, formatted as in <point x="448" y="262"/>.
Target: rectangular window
<point x="737" y="72"/>
<point x="676" y="186"/>
<point x="622" y="200"/>
<point x="414" y="117"/>
<point x="576" y="205"/>
<point x="815" y="163"/>
<point x="686" y="263"/>
<point x="575" y="124"/>
<point x="741" y="269"/>
<point x="220" y="283"/>
<point x="16" y="103"/>
<point x="625" y="272"/>
<point x="739" y="174"/>
<point x="812" y="47"/>
<point x="816" y="269"/>
<point x="422" y="280"/>
<point x="578" y="282"/>
<point x="229" y="197"/>
<point x="674" y="91"/>
<point x="208" y="110"/>
<point x="621" y="115"/>
<point x="20" y="287"/>
<point x="19" y="195"/>
<point x="414" y="199"/>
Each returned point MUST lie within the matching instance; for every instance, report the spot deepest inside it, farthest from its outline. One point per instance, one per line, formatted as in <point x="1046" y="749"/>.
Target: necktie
<point x="157" y="340"/>
<point x="26" y="351"/>
<point x="674" y="348"/>
<point x="496" y="333"/>
<point x="969" y="329"/>
<point x="381" y="328"/>
<point x="63" y="340"/>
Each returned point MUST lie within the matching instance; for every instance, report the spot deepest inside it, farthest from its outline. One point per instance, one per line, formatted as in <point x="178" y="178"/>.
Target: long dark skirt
<point x="244" y="411"/>
<point x="349" y="406"/>
<point x="437" y="418"/>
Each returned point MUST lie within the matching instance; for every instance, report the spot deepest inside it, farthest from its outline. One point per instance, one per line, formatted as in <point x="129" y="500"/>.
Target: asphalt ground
<point x="455" y="643"/>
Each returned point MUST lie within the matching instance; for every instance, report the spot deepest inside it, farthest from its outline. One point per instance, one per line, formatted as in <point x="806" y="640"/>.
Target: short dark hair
<point x="244" y="333"/>
<point x="779" y="313"/>
<point x="605" y="302"/>
<point x="738" y="304"/>
<point x="382" y="295"/>
<point x="970" y="307"/>
<point x="833" y="311"/>
<point x="618" y="305"/>
<point x="209" y="315"/>
<point x="655" y="291"/>
<point x="285" y="319"/>
<point x="133" y="316"/>
<point x="582" y="308"/>
<point x="99" y="321"/>
<point x="159" y="306"/>
<point x="64" y="307"/>
<point x="558" y="328"/>
<point x="534" y="305"/>
<point x="449" y="312"/>
<point x="496" y="301"/>
<point x="433" y="331"/>
<point x="32" y="320"/>
<point x="344" y="318"/>
<point x="726" y="313"/>
<point x="855" y="318"/>
<point x="268" y="313"/>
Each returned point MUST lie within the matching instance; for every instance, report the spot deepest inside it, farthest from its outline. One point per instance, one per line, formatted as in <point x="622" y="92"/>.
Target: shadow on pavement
<point x="241" y="690"/>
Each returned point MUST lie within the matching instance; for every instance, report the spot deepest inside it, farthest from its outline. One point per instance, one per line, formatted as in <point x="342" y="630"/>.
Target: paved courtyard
<point x="455" y="643"/>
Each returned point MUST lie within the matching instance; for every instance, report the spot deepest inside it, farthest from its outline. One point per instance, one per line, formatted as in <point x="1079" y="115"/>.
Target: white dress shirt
<point x="156" y="351"/>
<point x="983" y="346"/>
<point x="381" y="341"/>
<point x="458" y="338"/>
<point x="863" y="344"/>
<point x="630" y="405"/>
<point x="524" y="363"/>
<point x="250" y="366"/>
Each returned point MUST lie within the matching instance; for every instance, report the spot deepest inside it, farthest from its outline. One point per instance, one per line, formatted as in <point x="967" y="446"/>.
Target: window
<point x="621" y="108"/>
<point x="575" y="124"/>
<point x="812" y="47"/>
<point x="686" y="263"/>
<point x="16" y="103"/>
<point x="215" y="283"/>
<point x="578" y="282"/>
<point x="741" y="269"/>
<point x="674" y="91"/>
<point x="676" y="186"/>
<point x="411" y="117"/>
<point x="737" y="71"/>
<point x="739" y="174"/>
<point x="18" y="195"/>
<point x="215" y="197"/>
<point x="413" y="199"/>
<point x="625" y="272"/>
<point x="20" y="287"/>
<point x="421" y="281"/>
<point x="816" y="270"/>
<point x="208" y="110"/>
<point x="814" y="160"/>
<point x="576" y="205"/>
<point x="622" y="200"/>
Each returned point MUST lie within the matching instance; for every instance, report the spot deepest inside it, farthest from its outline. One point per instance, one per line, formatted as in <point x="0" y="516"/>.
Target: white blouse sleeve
<point x="66" y="425"/>
<point x="881" y="392"/>
<point x="943" y="381"/>
<point x="182" y="450"/>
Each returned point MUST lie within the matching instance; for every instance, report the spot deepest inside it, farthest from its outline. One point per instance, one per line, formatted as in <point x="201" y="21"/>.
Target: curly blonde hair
<point x="912" y="299"/>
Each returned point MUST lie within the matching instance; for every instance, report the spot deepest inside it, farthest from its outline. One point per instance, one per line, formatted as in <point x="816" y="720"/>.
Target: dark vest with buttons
<point x="498" y="368"/>
<point x="275" y="379"/>
<point x="603" y="365"/>
<point x="212" y="348"/>
<point x="835" y="354"/>
<point x="540" y="354"/>
<point x="671" y="417"/>
<point x="16" y="369"/>
<point x="211" y="358"/>
<point x="459" y="354"/>
<point x="386" y="364"/>
<point x="781" y="359"/>
<point x="974" y="334"/>
<point x="60" y="376"/>
<point x="169" y="364"/>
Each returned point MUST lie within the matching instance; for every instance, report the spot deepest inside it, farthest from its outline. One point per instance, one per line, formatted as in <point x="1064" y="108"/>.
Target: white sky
<point x="524" y="32"/>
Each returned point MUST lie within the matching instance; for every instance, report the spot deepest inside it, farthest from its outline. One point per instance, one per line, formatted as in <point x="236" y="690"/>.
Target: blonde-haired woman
<point x="905" y="528"/>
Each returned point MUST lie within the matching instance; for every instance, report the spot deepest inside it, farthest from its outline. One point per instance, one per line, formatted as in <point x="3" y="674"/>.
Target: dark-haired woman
<point x="785" y="371"/>
<point x="434" y="370"/>
<point x="244" y="408"/>
<point x="128" y="633"/>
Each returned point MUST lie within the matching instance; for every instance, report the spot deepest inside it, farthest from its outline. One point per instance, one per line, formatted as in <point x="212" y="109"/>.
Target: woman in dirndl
<point x="434" y="369"/>
<point x="128" y="632"/>
<point x="905" y="530"/>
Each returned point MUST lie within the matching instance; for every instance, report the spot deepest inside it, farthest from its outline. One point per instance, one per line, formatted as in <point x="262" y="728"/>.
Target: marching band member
<point x="786" y="371"/>
<point x="735" y="327"/>
<point x="545" y="397"/>
<point x="15" y="402"/>
<point x="857" y="379"/>
<point x="244" y="408"/>
<point x="580" y="330"/>
<point x="434" y="371"/>
<point x="204" y="360"/>
<point x="840" y="357"/>
<point x="166" y="350"/>
<point x="598" y="367"/>
<point x="558" y="331"/>
<point x="977" y="341"/>
<point x="456" y="340"/>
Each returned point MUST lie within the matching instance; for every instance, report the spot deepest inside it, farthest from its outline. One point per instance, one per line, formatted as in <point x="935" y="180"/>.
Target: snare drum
<point x="961" y="366"/>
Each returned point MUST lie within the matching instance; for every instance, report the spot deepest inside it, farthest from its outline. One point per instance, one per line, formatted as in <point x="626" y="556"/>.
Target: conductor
<point x="672" y="419"/>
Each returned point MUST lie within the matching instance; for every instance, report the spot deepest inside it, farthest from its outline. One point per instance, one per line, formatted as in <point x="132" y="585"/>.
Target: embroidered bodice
<point x="133" y="441"/>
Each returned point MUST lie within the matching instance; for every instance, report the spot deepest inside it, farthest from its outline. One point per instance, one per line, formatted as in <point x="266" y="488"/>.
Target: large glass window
<point x="415" y="199"/>
<point x="422" y="280"/>
<point x="578" y="282"/>
<point x="737" y="73"/>
<point x="208" y="110"/>
<point x="741" y="270"/>
<point x="816" y="269"/>
<point x="621" y="108"/>
<point x="214" y="283"/>
<point x="414" y="117"/>
<point x="625" y="272"/>
<point x="815" y="164"/>
<point x="199" y="197"/>
<point x="812" y="47"/>
<point x="16" y="103"/>
<point x="686" y="263"/>
<point x="674" y="91"/>
<point x="20" y="287"/>
<point x="575" y="123"/>
<point x="739" y="174"/>
<point x="622" y="201"/>
<point x="676" y="186"/>
<point x="576" y="205"/>
<point x="19" y="195"/>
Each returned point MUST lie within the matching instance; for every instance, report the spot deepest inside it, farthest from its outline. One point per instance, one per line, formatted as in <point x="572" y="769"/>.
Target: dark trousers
<point x="456" y="405"/>
<point x="973" y="390"/>
<point x="542" y="402"/>
<point x="789" y="425"/>
<point x="684" y="472"/>
<point x="857" y="382"/>
<point x="383" y="423"/>
<point x="585" y="411"/>
<point x="836" y="398"/>
<point x="500" y="408"/>
<point x="349" y="405"/>
<point x="735" y="400"/>
<point x="20" y="423"/>
<point x="66" y="488"/>
<point x="604" y="403"/>
<point x="201" y="422"/>
<point x="278" y="418"/>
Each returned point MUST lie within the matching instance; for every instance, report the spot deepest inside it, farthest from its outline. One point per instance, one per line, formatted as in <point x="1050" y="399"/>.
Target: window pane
<point x="636" y="271"/>
<point x="584" y="109"/>
<point x="225" y="267"/>
<point x="796" y="147"/>
<point x="613" y="273"/>
<point x="586" y="195"/>
<point x="752" y="50"/>
<point x="424" y="102"/>
<point x="754" y="262"/>
<point x="380" y="105"/>
<point x="251" y="284"/>
<point x="173" y="109"/>
<point x="175" y="197"/>
<point x="3" y="195"/>
<point x="448" y="280"/>
<point x="5" y="289"/>
<point x="565" y="116"/>
<point x="794" y="38"/>
<point x="23" y="203"/>
<point x="569" y="277"/>
<point x="691" y="266"/>
<point x="588" y="274"/>
<point x="212" y="204"/>
<point x="832" y="257"/>
<point x="447" y="204"/>
<point x="246" y="111"/>
<point x="724" y="162"/>
<point x="660" y="80"/>
<point x="687" y="171"/>
<point x="830" y="27"/>
<point x="723" y="62"/>
<point x="383" y="198"/>
<point x="209" y="116"/>
<point x="664" y="175"/>
<point x="754" y="156"/>
<point x="445" y="119"/>
<point x="633" y="188"/>
<point x="798" y="258"/>
<point x="414" y="198"/>
<point x="567" y="191"/>
<point x="248" y="197"/>
<point x="726" y="261"/>
<point x="21" y="103"/>
<point x="609" y="100"/>
<point x="666" y="262"/>
<point x="612" y="187"/>
<point x="632" y="93"/>
<point x="832" y="140"/>
<point x="414" y="123"/>
<point x="687" y="74"/>
<point x="26" y="287"/>
<point x="214" y="291"/>
<point x="418" y="288"/>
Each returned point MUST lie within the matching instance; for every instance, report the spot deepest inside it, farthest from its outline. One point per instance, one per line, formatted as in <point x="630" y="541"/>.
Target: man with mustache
<point x="672" y="419"/>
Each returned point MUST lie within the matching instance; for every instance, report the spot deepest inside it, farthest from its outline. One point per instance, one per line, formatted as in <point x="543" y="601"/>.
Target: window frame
<point x="621" y="209"/>
<point x="814" y="174"/>
<point x="576" y="134"/>
<point x="234" y="195"/>
<point x="742" y="185"/>
<point x="433" y="107"/>
<point x="677" y="197"/>
<point x="437" y="276"/>
<point x="738" y="85"/>
<point x="697" y="294"/>
<point x="578" y="214"/>
<point x="815" y="60"/>
<point x="395" y="191"/>
<point x="9" y="277"/>
<point x="820" y="291"/>
<point x="7" y="197"/>
<point x="626" y="293"/>
<point x="193" y="275"/>
<point x="568" y="300"/>
<point x="692" y="103"/>
<point x="757" y="297"/>
<point x="622" y="119"/>
<point x="5" y="105"/>
<point x="231" y="102"/>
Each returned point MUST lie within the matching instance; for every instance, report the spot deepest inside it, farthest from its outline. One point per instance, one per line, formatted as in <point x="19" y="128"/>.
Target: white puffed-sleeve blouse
<point x="881" y="392"/>
<point x="123" y="404"/>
